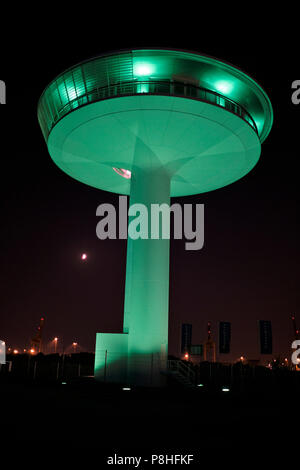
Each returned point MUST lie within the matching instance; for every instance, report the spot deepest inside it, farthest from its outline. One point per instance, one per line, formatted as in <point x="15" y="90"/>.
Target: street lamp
<point x="75" y="346"/>
<point x="55" y="344"/>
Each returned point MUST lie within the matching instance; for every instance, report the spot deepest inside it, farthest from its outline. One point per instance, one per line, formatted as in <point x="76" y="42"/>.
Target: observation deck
<point x="200" y="119"/>
<point x="158" y="72"/>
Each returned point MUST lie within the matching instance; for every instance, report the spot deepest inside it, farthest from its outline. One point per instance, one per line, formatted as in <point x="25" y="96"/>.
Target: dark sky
<point x="249" y="267"/>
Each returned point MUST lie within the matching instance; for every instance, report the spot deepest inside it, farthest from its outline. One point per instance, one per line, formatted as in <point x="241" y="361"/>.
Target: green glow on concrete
<point x="203" y="146"/>
<point x="101" y="115"/>
<point x="111" y="357"/>
<point x="147" y="284"/>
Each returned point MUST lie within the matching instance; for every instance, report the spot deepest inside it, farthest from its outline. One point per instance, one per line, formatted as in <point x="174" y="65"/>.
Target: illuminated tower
<point x="151" y="124"/>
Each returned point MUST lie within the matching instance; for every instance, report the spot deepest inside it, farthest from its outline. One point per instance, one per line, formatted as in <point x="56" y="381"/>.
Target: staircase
<point x="182" y="372"/>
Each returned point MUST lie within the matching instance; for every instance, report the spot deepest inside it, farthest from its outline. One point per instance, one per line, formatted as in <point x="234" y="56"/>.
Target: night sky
<point x="249" y="267"/>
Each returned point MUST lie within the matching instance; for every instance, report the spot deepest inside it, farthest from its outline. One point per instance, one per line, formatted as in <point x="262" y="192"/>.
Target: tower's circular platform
<point x="200" y="119"/>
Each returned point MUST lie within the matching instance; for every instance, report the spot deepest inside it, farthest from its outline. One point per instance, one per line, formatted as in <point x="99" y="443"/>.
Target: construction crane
<point x="296" y="335"/>
<point x="296" y="331"/>
<point x="209" y="347"/>
<point x="36" y="341"/>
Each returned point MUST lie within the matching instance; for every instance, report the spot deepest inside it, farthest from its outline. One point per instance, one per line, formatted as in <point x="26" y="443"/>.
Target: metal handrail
<point x="183" y="368"/>
<point x="150" y="87"/>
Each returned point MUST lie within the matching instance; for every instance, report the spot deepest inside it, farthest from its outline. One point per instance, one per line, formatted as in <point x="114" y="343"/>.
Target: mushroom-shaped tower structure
<point x="151" y="124"/>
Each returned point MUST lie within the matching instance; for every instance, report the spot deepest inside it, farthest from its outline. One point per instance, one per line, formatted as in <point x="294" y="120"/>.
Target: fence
<point x="48" y="367"/>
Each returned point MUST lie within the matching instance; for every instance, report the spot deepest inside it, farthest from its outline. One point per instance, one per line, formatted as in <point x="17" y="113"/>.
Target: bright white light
<point x="142" y="69"/>
<point x="223" y="86"/>
<point x="126" y="388"/>
<point x="225" y="390"/>
<point x="200" y="385"/>
<point x="84" y="256"/>
<point x="71" y="93"/>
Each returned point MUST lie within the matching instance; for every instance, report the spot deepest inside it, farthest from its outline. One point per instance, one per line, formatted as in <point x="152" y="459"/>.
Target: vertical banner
<point x="224" y="337"/>
<point x="186" y="337"/>
<point x="265" y="329"/>
<point x="2" y="352"/>
<point x="2" y="92"/>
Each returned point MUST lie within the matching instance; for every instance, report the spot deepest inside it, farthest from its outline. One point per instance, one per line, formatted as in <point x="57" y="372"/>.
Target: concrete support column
<point x="147" y="285"/>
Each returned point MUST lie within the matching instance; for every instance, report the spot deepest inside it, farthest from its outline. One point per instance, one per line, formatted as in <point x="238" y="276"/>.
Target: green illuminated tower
<point x="151" y="124"/>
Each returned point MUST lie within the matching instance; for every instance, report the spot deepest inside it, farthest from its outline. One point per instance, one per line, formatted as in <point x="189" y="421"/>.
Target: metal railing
<point x="183" y="369"/>
<point x="155" y="87"/>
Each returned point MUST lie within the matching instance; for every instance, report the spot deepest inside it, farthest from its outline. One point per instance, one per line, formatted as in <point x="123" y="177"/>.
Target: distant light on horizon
<point x="84" y="256"/>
